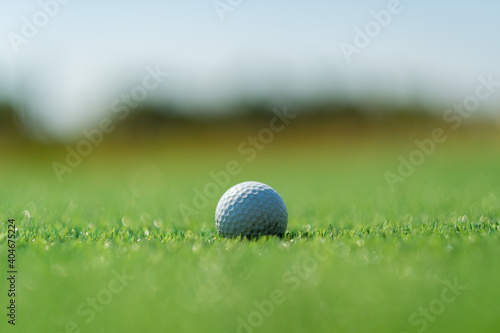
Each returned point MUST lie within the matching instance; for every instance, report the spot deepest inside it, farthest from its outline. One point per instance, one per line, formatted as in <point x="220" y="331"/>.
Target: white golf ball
<point x="251" y="209"/>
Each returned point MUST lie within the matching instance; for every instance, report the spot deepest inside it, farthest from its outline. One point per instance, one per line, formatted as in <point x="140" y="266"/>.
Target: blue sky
<point x="90" y="51"/>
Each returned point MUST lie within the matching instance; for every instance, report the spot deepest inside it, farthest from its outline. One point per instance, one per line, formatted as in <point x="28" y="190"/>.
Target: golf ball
<point x="251" y="209"/>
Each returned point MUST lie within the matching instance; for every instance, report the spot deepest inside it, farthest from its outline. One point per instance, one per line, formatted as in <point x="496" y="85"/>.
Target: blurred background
<point x="63" y="64"/>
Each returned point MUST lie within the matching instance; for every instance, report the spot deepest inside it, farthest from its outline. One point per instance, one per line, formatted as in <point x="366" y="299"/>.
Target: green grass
<point x="357" y="257"/>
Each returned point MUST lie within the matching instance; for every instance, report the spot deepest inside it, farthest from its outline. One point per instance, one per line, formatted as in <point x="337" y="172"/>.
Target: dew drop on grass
<point x="26" y="219"/>
<point x="126" y="221"/>
<point x="157" y="223"/>
<point x="26" y="215"/>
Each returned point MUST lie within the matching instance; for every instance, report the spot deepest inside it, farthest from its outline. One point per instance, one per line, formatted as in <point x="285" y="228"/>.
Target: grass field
<point x="108" y="249"/>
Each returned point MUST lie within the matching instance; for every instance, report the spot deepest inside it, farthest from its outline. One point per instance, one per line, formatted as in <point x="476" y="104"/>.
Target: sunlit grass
<point x="356" y="257"/>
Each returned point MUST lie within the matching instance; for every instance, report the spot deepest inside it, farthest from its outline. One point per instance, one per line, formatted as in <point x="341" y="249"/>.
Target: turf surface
<point x="109" y="250"/>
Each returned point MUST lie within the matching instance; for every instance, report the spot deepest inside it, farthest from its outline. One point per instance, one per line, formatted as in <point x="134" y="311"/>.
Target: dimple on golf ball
<point x="251" y="209"/>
